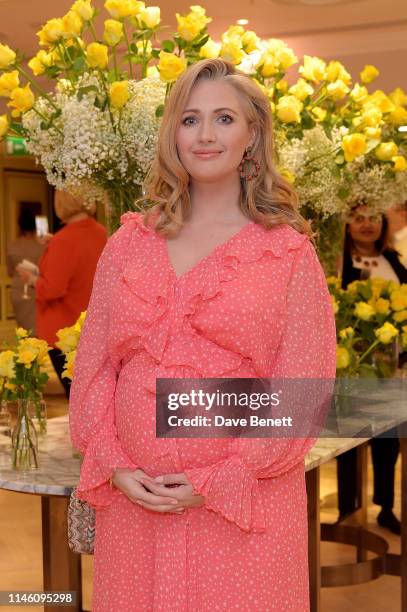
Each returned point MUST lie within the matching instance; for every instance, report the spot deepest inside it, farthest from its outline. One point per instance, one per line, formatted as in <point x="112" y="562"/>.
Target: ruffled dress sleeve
<point x="307" y="350"/>
<point x="91" y="406"/>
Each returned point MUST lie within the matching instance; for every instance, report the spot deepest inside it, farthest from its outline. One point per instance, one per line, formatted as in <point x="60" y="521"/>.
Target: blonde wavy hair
<point x="268" y="199"/>
<point x="66" y="206"/>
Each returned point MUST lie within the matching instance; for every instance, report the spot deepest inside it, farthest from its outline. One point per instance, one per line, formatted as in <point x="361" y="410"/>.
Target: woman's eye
<point x="225" y="119"/>
<point x="189" y="121"/>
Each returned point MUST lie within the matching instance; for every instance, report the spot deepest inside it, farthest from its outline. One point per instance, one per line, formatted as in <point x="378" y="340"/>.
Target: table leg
<point x="61" y="567"/>
<point x="314" y="539"/>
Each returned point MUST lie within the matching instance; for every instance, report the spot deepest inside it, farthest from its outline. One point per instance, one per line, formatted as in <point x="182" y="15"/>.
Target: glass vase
<point x="5" y="419"/>
<point x="385" y="359"/>
<point x="24" y="441"/>
<point x="38" y="413"/>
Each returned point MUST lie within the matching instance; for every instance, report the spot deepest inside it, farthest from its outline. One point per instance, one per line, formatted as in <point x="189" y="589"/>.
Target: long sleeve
<point x="307" y="350"/>
<point x="56" y="270"/>
<point x="91" y="411"/>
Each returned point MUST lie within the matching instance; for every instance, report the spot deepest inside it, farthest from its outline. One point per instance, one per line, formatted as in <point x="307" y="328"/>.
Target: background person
<point x="67" y="268"/>
<point x="27" y="247"/>
<point x="366" y="255"/>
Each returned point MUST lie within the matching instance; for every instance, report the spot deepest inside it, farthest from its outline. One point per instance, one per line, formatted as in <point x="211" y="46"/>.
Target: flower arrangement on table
<point x="95" y="133"/>
<point x="371" y="321"/>
<point x="22" y="379"/>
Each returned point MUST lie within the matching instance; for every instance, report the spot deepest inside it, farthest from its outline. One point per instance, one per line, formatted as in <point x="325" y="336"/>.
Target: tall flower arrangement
<point x="337" y="140"/>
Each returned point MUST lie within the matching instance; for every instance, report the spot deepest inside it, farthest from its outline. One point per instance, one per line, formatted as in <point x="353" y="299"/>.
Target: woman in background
<point x="366" y="256"/>
<point x="67" y="268"/>
<point x="27" y="247"/>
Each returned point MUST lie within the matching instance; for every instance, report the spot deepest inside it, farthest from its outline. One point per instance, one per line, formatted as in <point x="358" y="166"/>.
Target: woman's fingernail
<point x="159" y="479"/>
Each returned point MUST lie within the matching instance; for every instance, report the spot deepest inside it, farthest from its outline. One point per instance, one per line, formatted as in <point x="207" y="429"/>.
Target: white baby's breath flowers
<point x="91" y="147"/>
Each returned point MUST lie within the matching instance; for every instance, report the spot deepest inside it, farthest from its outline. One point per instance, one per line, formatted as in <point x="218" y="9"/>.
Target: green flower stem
<point x="369" y="350"/>
<point x="116" y="73"/>
<point x="126" y="38"/>
<point x="45" y="119"/>
<point x="102" y="76"/>
<point x="93" y="31"/>
<point x="34" y="84"/>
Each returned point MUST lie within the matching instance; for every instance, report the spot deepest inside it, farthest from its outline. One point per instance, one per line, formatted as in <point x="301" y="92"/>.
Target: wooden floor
<point x="21" y="554"/>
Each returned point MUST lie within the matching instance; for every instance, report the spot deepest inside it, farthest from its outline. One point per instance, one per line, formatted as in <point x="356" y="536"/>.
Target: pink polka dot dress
<point x="257" y="306"/>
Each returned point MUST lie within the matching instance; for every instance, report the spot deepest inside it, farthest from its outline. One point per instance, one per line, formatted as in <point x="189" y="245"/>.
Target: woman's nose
<point x="207" y="131"/>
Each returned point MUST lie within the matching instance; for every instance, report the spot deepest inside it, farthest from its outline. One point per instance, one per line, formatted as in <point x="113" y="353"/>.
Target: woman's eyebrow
<point x="216" y="110"/>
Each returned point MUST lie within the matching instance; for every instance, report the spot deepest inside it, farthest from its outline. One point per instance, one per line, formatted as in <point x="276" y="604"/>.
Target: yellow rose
<point x="68" y="338"/>
<point x="286" y="58"/>
<point x="210" y="50"/>
<point x="301" y="89"/>
<point x="119" y="93"/>
<point x="149" y="17"/>
<point x="39" y="347"/>
<point x="51" y="32"/>
<point x="404" y="337"/>
<point x="374" y="133"/>
<point x="379" y="98"/>
<point x="359" y="93"/>
<point x="335" y="305"/>
<point x="342" y="358"/>
<point x="40" y="61"/>
<point x="400" y="316"/>
<point x="369" y="74"/>
<point x="371" y="115"/>
<point x="250" y="41"/>
<point x="336" y="71"/>
<point x="72" y="25"/>
<point x="233" y="34"/>
<point x="188" y="27"/>
<point x="398" y="116"/>
<point x="337" y="90"/>
<point x="26" y="357"/>
<point x="171" y="66"/>
<point x="282" y="86"/>
<point x="398" y="96"/>
<point x="232" y="51"/>
<point x="398" y="300"/>
<point x="22" y="99"/>
<point x="353" y="146"/>
<point x="400" y="163"/>
<point x="7" y="57"/>
<point x="268" y="65"/>
<point x="314" y="69"/>
<point x="69" y="365"/>
<point x="81" y="320"/>
<point x="386" y="150"/>
<point x="8" y="82"/>
<point x="348" y="332"/>
<point x="333" y="281"/>
<point x="97" y="55"/>
<point x="119" y="9"/>
<point x="7" y="364"/>
<point x="21" y="332"/>
<point x="140" y="44"/>
<point x="289" y="109"/>
<point x="113" y="32"/>
<point x="364" y="311"/>
<point x="83" y="9"/>
<point x="386" y="333"/>
<point x="289" y="176"/>
<point x="4" y="125"/>
<point x="318" y="113"/>
<point x="382" y="306"/>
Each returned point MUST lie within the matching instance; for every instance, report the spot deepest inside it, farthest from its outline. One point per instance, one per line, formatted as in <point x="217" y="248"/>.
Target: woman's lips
<point x="207" y="154"/>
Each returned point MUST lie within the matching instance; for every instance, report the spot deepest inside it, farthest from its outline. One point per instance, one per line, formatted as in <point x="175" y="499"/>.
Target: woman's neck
<point x="365" y="250"/>
<point x="77" y="217"/>
<point x="216" y="202"/>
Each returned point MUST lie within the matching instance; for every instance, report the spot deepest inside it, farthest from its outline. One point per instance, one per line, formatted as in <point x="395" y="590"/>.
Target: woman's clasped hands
<point x="168" y="493"/>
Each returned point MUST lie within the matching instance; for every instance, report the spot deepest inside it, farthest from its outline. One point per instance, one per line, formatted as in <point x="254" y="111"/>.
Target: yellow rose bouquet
<point x="371" y="321"/>
<point x="68" y="340"/>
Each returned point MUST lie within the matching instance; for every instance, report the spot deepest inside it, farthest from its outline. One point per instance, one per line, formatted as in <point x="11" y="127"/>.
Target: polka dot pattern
<point x="257" y="306"/>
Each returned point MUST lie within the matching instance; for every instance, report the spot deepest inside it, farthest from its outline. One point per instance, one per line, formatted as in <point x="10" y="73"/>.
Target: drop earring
<point x="249" y="167"/>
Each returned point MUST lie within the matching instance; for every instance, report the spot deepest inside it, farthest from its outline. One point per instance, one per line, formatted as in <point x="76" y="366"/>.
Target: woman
<point x="25" y="247"/>
<point x="67" y="268"/>
<point x="365" y="256"/>
<point x="219" y="280"/>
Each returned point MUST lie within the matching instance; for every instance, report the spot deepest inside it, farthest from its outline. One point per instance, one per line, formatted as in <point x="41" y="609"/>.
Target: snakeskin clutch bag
<point x="81" y="526"/>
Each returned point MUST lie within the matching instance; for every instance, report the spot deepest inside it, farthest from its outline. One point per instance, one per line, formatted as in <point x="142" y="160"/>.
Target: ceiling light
<point x="242" y="22"/>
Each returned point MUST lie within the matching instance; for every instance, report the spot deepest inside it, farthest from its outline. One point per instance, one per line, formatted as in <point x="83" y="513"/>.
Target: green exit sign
<point x="15" y="145"/>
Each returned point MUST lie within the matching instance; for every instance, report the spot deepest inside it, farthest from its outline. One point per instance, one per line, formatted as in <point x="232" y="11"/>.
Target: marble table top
<point x="59" y="469"/>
